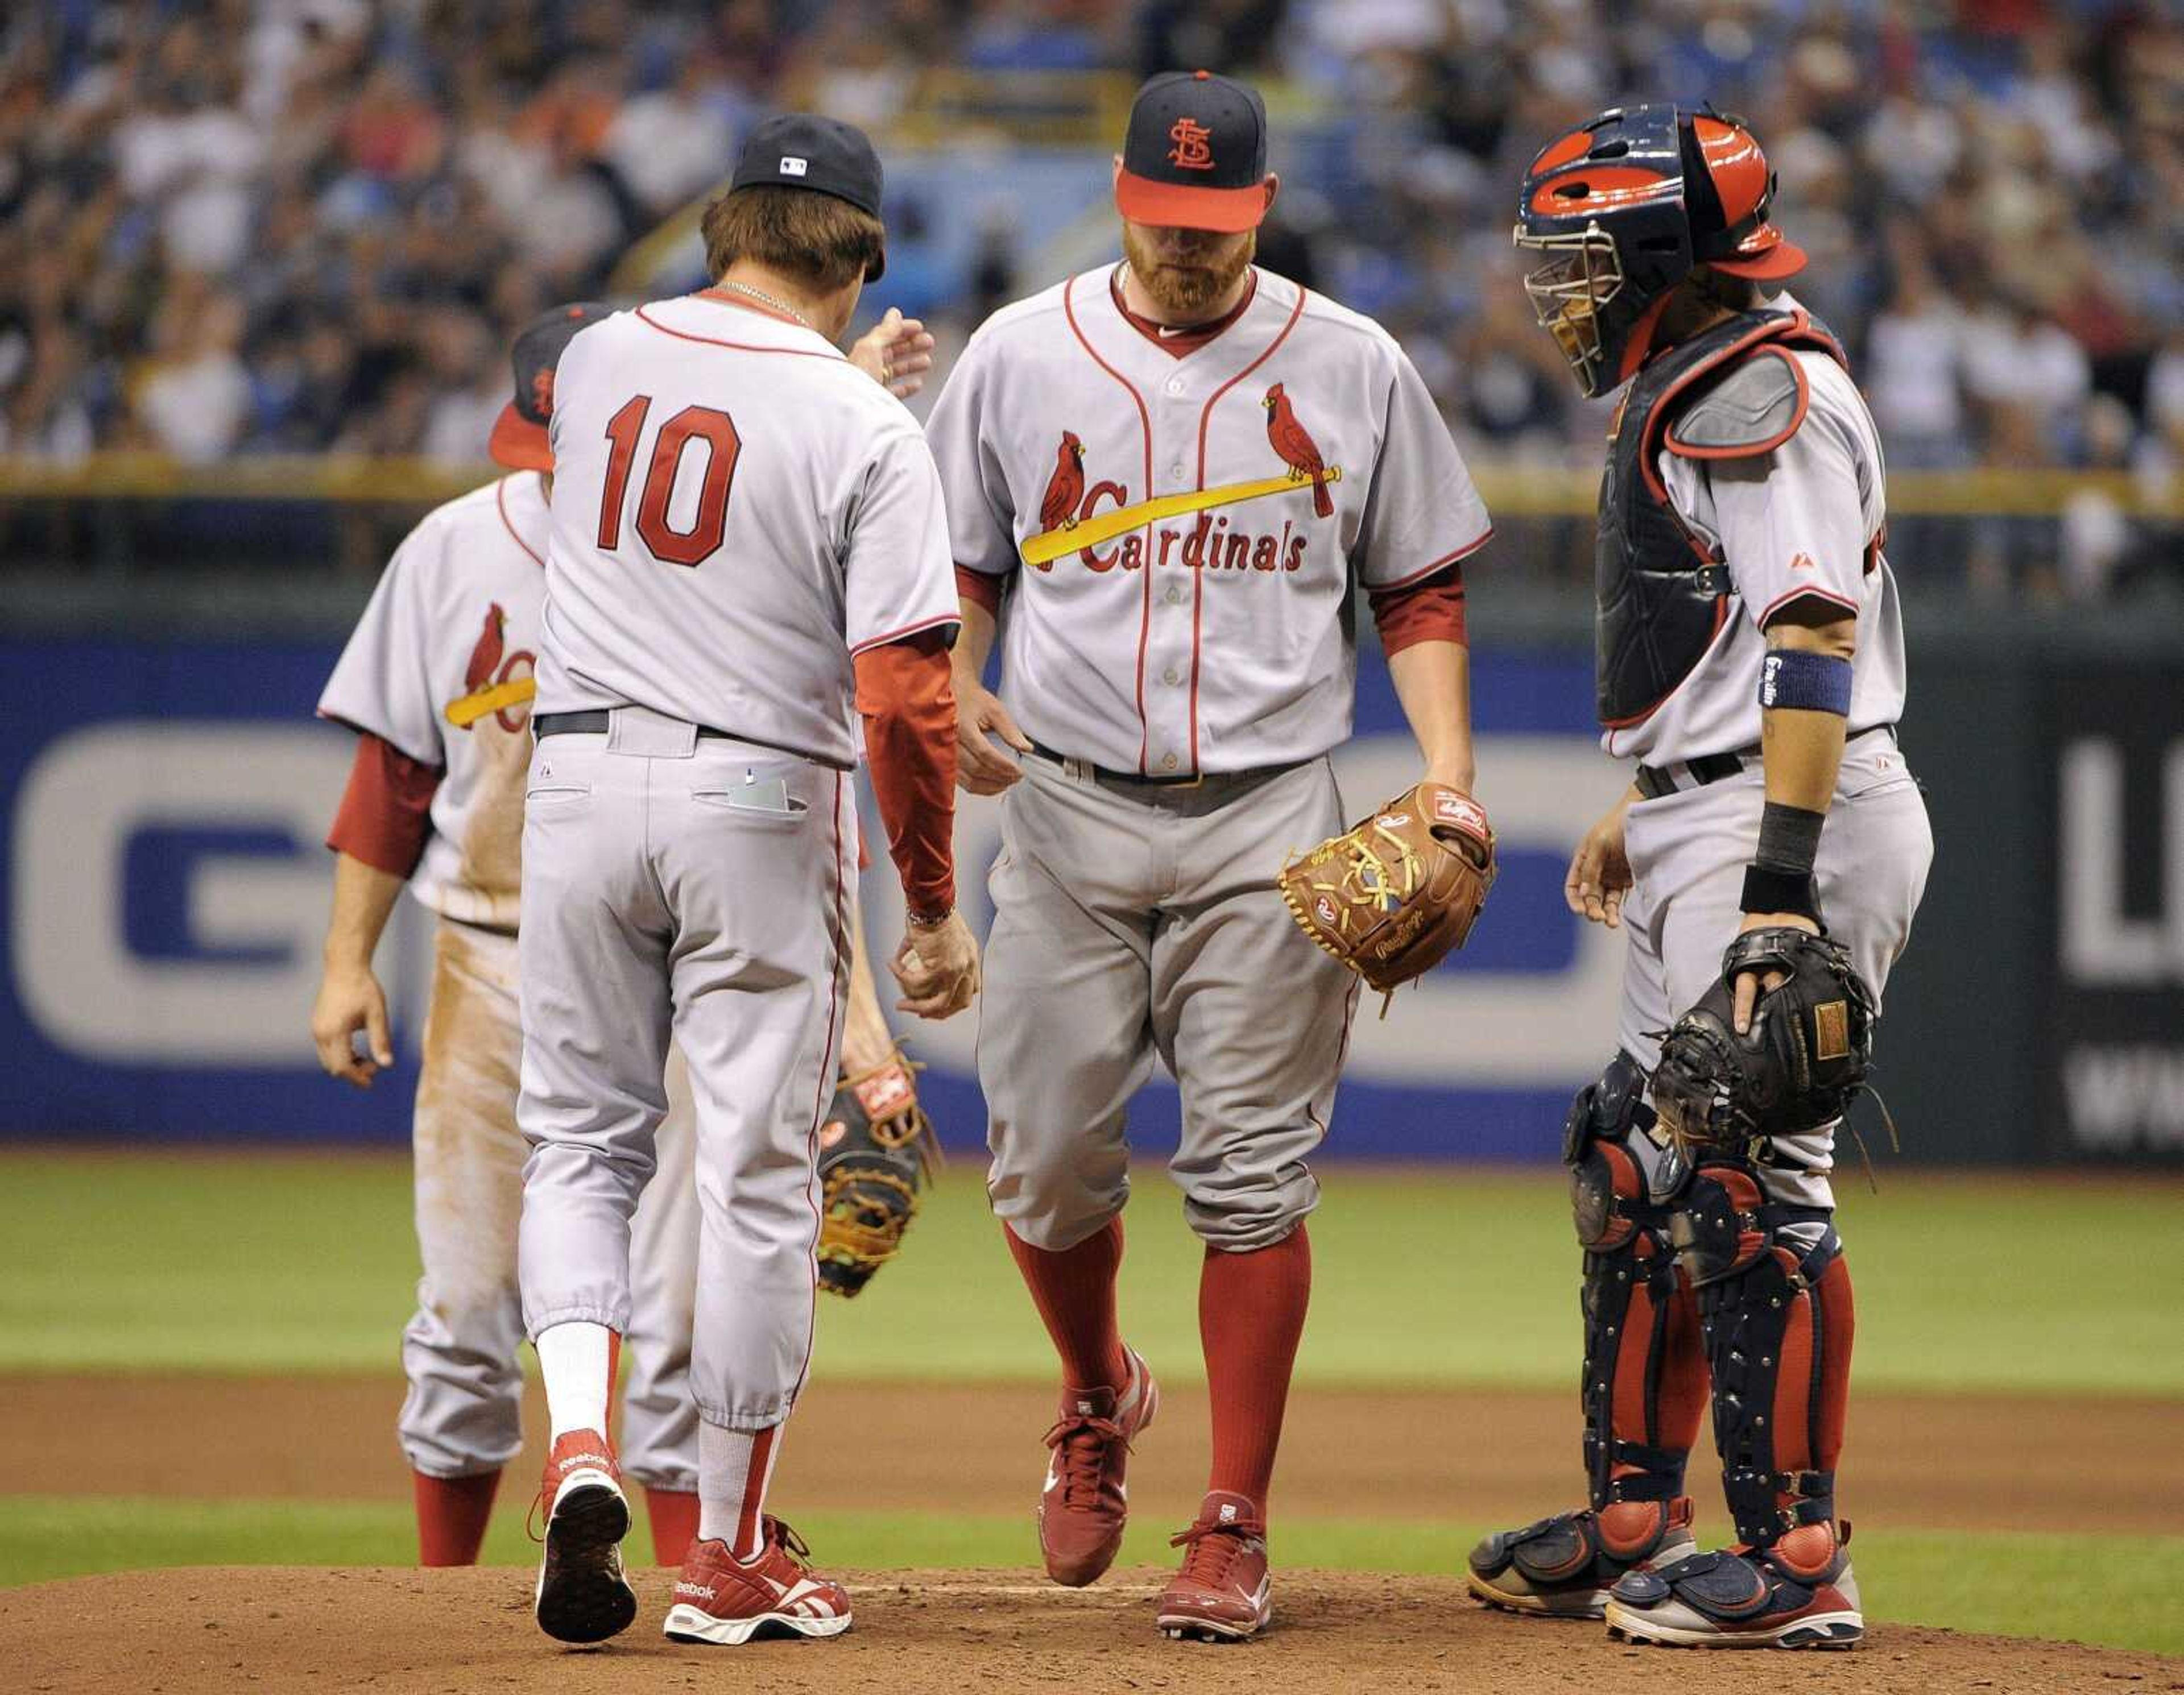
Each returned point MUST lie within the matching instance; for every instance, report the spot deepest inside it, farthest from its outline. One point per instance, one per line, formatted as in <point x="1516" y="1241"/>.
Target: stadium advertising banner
<point x="166" y="893"/>
<point x="2115" y="768"/>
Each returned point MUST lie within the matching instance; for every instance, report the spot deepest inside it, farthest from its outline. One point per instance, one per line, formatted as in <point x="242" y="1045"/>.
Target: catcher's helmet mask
<point x="1624" y="207"/>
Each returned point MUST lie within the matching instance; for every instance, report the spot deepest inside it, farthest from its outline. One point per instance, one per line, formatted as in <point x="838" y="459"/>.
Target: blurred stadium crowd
<point x="302" y="226"/>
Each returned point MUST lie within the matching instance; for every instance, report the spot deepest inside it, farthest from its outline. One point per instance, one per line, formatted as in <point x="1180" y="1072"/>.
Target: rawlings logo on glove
<point x="1397" y="892"/>
<point x="877" y="1153"/>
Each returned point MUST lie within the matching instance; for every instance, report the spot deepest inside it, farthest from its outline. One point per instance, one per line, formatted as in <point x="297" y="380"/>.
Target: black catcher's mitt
<point x="1799" y="1067"/>
<point x="876" y="1152"/>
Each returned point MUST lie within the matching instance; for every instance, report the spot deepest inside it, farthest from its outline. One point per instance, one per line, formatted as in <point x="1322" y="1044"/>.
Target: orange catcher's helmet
<point x="1624" y="207"/>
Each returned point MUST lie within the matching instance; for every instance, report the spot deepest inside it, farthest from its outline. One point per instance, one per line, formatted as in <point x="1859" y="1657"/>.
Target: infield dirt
<point x="195" y="1631"/>
<point x="1476" y="1457"/>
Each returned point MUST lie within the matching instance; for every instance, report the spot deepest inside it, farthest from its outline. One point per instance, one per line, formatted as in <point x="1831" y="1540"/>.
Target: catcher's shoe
<point x="1223" y="1593"/>
<point x="1084" y="1505"/>
<point x="582" y="1596"/>
<point x="1797" y="1593"/>
<point x="1563" y="1567"/>
<point x="719" y="1598"/>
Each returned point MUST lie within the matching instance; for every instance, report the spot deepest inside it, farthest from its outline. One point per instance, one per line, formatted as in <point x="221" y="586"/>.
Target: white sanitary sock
<point x="733" y="1469"/>
<point x="576" y="1360"/>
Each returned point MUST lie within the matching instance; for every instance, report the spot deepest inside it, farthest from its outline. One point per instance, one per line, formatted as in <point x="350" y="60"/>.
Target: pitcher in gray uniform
<point x="1167" y="480"/>
<point x="1751" y="659"/>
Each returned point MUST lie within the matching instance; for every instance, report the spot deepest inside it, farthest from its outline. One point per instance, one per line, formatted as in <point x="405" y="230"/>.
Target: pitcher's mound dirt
<point x="190" y="1632"/>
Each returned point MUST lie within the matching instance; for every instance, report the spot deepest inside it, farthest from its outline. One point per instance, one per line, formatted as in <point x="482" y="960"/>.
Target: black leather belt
<point x="1101" y="774"/>
<point x="598" y="721"/>
<point x="1655" y="780"/>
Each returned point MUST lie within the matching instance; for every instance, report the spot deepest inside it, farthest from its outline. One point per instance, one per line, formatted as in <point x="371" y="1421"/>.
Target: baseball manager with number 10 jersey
<point x="1166" y="480"/>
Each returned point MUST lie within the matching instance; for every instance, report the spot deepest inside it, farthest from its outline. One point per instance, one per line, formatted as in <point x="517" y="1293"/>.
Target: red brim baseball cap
<point x="1229" y="211"/>
<point x="1195" y="156"/>
<point x="518" y="439"/>
<point x="518" y="443"/>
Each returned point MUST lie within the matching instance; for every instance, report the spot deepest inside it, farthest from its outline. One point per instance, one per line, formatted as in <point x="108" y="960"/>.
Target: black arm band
<point x="1767" y="890"/>
<point x="1789" y="838"/>
<point x="1780" y="878"/>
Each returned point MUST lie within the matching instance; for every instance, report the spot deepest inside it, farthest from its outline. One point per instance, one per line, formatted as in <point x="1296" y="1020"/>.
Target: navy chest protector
<point x="1734" y="392"/>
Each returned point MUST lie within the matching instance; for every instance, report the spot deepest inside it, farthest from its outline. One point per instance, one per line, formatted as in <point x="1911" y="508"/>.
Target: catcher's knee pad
<point x="1778" y="1323"/>
<point x="1607" y="1191"/>
<point x="1644" y="1373"/>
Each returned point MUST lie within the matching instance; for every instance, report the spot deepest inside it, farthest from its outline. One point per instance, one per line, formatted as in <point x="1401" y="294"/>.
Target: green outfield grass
<point x="2011" y="1585"/>
<point x="279" y="1262"/>
<point x="271" y="1261"/>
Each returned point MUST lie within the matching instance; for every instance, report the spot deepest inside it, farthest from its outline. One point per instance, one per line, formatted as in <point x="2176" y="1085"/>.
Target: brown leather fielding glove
<point x="876" y="1151"/>
<point x="1393" y="895"/>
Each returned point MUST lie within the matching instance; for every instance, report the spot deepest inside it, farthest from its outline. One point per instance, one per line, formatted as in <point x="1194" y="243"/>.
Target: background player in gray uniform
<point x="1751" y="660"/>
<point x="1174" y="474"/>
<point x="437" y="680"/>
<point x="743" y="529"/>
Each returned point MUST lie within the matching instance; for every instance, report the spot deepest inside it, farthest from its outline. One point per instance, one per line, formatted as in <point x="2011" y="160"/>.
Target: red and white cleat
<point x="722" y="1600"/>
<point x="1085" y="1503"/>
<point x="583" y="1595"/>
<point x="1223" y="1592"/>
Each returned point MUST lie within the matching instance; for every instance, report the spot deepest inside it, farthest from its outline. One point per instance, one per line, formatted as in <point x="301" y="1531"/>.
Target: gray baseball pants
<point x="700" y="888"/>
<point x="1135" y="919"/>
<point x="1688" y="851"/>
<point x="463" y="1413"/>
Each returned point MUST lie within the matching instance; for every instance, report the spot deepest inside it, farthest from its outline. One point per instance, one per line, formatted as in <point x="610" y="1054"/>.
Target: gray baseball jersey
<point x="439" y="666"/>
<point x="1806" y="519"/>
<point x="1187" y="534"/>
<point x="737" y="510"/>
<point x="713" y="566"/>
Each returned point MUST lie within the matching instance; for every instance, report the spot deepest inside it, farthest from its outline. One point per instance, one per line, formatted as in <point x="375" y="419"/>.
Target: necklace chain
<point x="761" y="296"/>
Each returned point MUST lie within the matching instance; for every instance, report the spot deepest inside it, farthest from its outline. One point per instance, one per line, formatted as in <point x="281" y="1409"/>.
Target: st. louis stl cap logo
<point x="1194" y="145"/>
<point x="793" y="166"/>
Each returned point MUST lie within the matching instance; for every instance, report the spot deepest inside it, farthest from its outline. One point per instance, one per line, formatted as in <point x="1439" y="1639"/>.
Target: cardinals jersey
<point x="1186" y="535"/>
<point x="737" y="510"/>
<point x="1803" y="521"/>
<point x="441" y="666"/>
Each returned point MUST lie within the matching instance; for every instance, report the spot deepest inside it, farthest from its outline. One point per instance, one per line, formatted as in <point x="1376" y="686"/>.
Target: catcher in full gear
<point x="1751" y="660"/>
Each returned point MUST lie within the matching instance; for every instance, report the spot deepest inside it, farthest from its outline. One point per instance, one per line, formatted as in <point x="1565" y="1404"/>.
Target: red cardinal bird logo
<point x="1057" y="507"/>
<point x="485" y="658"/>
<point x="1298" y="450"/>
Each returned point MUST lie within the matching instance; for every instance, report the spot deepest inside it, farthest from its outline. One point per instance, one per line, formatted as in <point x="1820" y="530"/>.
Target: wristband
<point x="1805" y="682"/>
<point x="1789" y="838"/>
<point x="1766" y="889"/>
<point x="928" y="920"/>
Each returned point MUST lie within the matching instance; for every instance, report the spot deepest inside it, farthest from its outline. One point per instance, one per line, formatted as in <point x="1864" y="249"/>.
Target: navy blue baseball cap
<point x="1195" y="157"/>
<point x="519" y="434"/>
<point x="823" y="155"/>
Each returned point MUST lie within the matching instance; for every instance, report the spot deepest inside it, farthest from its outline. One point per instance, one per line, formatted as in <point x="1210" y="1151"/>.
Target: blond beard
<point x="1185" y="292"/>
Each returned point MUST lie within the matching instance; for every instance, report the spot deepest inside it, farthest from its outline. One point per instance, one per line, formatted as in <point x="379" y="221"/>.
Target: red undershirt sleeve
<point x="1430" y="610"/>
<point x="906" y="696"/>
<point x="386" y="813"/>
<point x="980" y="589"/>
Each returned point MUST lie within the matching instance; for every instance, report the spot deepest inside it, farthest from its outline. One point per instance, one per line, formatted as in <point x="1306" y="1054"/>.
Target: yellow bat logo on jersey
<point x="499" y="698"/>
<point x="1050" y="545"/>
